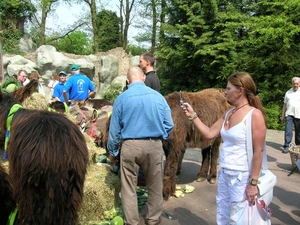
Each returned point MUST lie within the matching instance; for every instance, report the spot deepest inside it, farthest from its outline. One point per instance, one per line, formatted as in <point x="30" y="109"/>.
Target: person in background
<point x="147" y="61"/>
<point x="59" y="88"/>
<point x="23" y="77"/>
<point x="79" y="86"/>
<point x="291" y="114"/>
<point x="13" y="83"/>
<point x="35" y="75"/>
<point x="140" y="120"/>
<point x="236" y="181"/>
<point x="52" y="83"/>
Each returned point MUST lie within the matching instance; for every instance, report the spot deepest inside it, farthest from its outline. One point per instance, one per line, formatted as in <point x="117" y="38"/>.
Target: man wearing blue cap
<point x="79" y="86"/>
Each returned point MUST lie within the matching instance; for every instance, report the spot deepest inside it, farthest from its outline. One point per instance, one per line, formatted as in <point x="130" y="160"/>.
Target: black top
<point x="152" y="81"/>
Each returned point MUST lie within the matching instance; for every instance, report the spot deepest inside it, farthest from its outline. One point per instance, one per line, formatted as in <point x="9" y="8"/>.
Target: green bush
<point x="273" y="116"/>
<point x="112" y="92"/>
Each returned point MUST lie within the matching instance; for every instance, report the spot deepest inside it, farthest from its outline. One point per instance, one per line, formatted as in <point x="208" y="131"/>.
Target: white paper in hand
<point x="298" y="164"/>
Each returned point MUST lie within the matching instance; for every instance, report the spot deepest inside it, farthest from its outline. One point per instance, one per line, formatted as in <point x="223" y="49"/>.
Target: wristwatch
<point x="253" y="182"/>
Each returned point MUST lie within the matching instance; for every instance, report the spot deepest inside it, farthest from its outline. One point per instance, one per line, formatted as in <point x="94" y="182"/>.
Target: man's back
<point x="152" y="81"/>
<point x="79" y="86"/>
<point x="142" y="105"/>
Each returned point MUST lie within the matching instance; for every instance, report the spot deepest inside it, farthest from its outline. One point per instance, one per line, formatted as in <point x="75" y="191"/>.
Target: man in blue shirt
<point x="141" y="119"/>
<point x="58" y="89"/>
<point x="79" y="86"/>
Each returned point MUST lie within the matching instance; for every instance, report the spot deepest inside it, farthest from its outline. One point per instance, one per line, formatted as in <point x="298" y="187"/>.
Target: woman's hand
<point x="251" y="192"/>
<point x="187" y="109"/>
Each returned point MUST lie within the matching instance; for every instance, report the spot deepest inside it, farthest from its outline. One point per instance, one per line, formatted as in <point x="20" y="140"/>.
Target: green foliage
<point x="273" y="116"/>
<point x="76" y="42"/>
<point x="136" y="50"/>
<point x="10" y="41"/>
<point x="112" y="92"/>
<point x="206" y="41"/>
<point x="13" y="15"/>
<point x="109" y="30"/>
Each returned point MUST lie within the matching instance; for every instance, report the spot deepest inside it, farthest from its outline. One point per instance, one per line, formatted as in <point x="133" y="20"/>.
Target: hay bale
<point x="101" y="193"/>
<point x="36" y="101"/>
<point x="94" y="151"/>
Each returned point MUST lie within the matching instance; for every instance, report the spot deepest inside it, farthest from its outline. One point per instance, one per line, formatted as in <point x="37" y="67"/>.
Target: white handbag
<point x="267" y="179"/>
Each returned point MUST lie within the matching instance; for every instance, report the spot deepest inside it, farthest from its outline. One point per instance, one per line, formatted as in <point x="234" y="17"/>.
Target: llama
<point x="48" y="160"/>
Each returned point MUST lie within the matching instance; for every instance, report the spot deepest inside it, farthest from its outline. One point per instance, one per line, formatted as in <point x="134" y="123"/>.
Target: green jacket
<point x="10" y="84"/>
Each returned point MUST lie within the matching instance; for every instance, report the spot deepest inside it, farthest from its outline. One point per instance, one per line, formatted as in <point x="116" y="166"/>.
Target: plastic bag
<point x="244" y="214"/>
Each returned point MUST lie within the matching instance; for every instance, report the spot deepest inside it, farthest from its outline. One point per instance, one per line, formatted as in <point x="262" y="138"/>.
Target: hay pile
<point x="36" y="101"/>
<point x="101" y="194"/>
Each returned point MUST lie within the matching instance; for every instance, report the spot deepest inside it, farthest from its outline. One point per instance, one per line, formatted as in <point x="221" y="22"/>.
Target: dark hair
<point x="24" y="71"/>
<point x="149" y="57"/>
<point x="244" y="80"/>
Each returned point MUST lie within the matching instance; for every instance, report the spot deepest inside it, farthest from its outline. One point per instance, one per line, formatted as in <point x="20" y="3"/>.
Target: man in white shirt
<point x="291" y="114"/>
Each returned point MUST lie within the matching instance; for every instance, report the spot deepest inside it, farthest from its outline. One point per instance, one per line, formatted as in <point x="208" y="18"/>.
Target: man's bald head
<point x="135" y="73"/>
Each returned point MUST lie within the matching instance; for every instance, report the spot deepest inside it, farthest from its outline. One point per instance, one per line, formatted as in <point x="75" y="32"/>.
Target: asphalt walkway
<point x="199" y="207"/>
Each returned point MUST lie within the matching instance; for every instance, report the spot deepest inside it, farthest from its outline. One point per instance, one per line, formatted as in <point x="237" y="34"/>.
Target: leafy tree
<point x="126" y="7"/>
<point x="193" y="48"/>
<point x="149" y="16"/>
<point x="76" y="42"/>
<point x="109" y="32"/>
<point x="136" y="50"/>
<point x="93" y="9"/>
<point x="13" y="15"/>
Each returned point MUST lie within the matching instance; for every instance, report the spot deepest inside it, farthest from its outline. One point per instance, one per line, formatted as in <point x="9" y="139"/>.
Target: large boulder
<point x="13" y="64"/>
<point x="102" y="68"/>
<point x="26" y="44"/>
<point x="108" y="72"/>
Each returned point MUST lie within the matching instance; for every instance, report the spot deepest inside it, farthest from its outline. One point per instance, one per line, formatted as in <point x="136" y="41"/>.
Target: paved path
<point x="199" y="207"/>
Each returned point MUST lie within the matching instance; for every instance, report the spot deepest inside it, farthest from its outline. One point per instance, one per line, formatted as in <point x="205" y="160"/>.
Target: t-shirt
<point x="292" y="101"/>
<point x="78" y="86"/>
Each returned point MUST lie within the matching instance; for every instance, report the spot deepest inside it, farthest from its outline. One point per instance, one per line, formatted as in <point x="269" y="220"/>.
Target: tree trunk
<point x="162" y="21"/>
<point x="154" y="25"/>
<point x="43" y="24"/>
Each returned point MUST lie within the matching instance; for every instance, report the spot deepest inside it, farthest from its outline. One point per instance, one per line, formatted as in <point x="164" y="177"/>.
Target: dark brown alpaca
<point x="210" y="105"/>
<point x="47" y="157"/>
<point x="7" y="203"/>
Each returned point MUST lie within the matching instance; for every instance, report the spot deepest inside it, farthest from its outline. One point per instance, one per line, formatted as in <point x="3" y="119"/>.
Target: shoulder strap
<point x="249" y="143"/>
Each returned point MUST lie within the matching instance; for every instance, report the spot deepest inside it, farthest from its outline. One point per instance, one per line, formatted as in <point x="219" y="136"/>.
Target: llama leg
<point x="214" y="161"/>
<point x="180" y="161"/>
<point x="202" y="175"/>
<point x="170" y="173"/>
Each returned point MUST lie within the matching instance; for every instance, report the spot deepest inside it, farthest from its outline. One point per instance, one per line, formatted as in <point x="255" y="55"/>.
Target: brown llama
<point x="210" y="105"/>
<point x="48" y="159"/>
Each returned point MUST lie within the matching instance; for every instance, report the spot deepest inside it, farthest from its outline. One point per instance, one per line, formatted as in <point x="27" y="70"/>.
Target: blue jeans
<point x="291" y="121"/>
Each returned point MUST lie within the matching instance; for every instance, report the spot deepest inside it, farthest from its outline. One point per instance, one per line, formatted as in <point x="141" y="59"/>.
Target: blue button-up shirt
<point x="139" y="112"/>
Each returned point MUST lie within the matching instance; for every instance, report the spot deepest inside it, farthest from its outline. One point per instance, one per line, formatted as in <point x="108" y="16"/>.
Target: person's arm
<point x="208" y="132"/>
<point x="283" y="112"/>
<point x="92" y="90"/>
<point x="91" y="94"/>
<point x="114" y="136"/>
<point x="259" y="131"/>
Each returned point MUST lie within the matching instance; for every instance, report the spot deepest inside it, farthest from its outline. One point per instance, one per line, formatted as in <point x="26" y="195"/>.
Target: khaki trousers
<point x="146" y="154"/>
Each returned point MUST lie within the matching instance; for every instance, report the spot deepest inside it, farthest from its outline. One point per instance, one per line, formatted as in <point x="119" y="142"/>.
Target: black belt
<point x="140" y="139"/>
